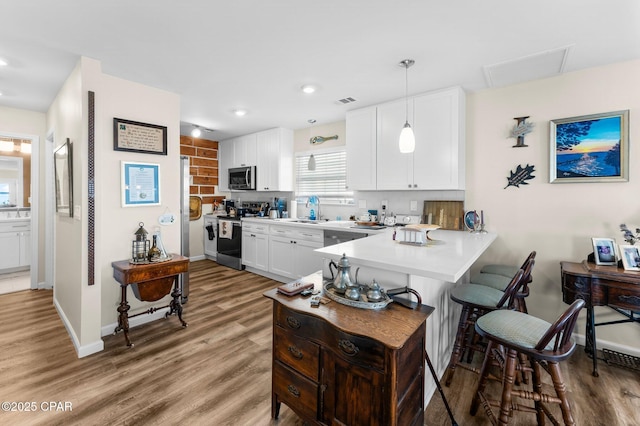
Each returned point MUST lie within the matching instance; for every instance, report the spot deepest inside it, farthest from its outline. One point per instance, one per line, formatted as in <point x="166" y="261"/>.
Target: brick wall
<point x="203" y="167"/>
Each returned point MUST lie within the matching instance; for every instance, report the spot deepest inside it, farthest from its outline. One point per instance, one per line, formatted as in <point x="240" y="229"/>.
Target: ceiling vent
<point x="346" y="101"/>
<point x="545" y="64"/>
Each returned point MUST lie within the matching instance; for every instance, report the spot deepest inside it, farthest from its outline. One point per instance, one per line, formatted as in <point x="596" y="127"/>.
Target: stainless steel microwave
<point x="242" y="178"/>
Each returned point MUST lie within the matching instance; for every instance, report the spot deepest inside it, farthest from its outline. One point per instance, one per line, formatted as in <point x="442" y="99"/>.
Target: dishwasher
<point x="332" y="237"/>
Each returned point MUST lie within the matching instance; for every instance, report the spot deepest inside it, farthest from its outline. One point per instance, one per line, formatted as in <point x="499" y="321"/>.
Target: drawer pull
<point x="292" y="322"/>
<point x="634" y="300"/>
<point x="297" y="353"/>
<point x="348" y="347"/>
<point x="293" y="391"/>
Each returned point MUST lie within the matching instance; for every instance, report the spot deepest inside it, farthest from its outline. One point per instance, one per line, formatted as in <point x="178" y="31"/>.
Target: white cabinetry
<point x="255" y="245"/>
<point x="15" y="244"/>
<point x="271" y="151"/>
<point x="275" y="160"/>
<point x="291" y="250"/>
<point x="361" y="149"/>
<point x="438" y="120"/>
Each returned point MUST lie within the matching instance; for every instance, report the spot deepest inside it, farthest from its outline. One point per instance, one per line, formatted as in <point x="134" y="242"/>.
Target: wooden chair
<point x="499" y="276"/>
<point x="476" y="300"/>
<point x="510" y="333"/>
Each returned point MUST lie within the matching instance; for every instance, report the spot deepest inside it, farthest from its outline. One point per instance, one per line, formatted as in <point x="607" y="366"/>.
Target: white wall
<point x="86" y="309"/>
<point x="556" y="220"/>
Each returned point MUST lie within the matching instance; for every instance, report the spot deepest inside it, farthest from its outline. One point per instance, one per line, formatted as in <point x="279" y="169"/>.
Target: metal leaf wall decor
<point x="520" y="176"/>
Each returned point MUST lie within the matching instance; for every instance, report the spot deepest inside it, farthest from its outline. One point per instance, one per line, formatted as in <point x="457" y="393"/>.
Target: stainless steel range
<point x="229" y="242"/>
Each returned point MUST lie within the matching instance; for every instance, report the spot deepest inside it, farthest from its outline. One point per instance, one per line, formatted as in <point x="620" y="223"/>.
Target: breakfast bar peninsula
<point x="433" y="270"/>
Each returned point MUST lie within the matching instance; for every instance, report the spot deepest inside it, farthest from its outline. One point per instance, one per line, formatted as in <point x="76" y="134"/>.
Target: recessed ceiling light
<point x="196" y="132"/>
<point x="311" y="120"/>
<point x="240" y="112"/>
<point x="307" y="88"/>
<point x="3" y="62"/>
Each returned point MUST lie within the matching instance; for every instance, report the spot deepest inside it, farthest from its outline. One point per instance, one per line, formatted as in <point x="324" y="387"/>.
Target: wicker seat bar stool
<point x="476" y="300"/>
<point x="510" y="333"/>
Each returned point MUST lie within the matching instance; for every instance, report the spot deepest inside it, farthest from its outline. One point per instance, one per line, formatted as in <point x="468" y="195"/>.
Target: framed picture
<point x="630" y="257"/>
<point x="139" y="137"/>
<point x="140" y="184"/>
<point x="590" y="148"/>
<point x="63" y="171"/>
<point x="604" y="251"/>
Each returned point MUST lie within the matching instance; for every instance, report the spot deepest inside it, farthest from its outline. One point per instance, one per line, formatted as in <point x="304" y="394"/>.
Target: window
<point x="328" y="181"/>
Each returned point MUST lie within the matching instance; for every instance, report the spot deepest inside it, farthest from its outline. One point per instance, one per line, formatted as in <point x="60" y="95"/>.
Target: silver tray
<point x="363" y="303"/>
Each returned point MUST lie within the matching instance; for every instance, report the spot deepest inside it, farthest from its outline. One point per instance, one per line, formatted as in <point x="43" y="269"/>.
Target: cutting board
<point x="446" y="214"/>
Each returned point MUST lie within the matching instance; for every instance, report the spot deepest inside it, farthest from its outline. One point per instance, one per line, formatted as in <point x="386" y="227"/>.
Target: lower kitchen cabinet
<point x="255" y="246"/>
<point x="340" y="365"/>
<point x="291" y="251"/>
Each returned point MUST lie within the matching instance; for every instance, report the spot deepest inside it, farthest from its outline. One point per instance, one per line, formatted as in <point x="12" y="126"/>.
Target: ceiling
<point x="255" y="54"/>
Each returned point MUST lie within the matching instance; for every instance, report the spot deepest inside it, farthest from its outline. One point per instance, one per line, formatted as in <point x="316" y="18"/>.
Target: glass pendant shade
<point x="312" y="163"/>
<point x="407" y="143"/>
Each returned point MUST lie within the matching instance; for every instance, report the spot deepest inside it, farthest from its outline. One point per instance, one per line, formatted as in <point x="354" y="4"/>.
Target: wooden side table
<point x="149" y="282"/>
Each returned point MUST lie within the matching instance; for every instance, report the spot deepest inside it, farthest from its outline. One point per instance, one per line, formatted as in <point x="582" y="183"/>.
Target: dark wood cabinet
<point x="339" y="365"/>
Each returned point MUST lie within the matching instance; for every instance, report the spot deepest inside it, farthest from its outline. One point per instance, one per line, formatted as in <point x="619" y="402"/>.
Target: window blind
<point x="328" y="181"/>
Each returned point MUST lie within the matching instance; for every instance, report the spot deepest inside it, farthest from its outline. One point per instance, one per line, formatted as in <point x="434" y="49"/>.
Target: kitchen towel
<point x="226" y="229"/>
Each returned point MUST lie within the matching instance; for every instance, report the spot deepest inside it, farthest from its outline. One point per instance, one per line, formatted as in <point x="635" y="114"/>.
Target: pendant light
<point x="312" y="163"/>
<point x="407" y="142"/>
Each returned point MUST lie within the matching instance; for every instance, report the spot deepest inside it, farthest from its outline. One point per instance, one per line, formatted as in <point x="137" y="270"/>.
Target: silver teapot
<point x="342" y="280"/>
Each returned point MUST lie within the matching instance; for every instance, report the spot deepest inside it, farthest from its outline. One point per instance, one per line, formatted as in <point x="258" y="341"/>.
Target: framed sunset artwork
<point x="590" y="148"/>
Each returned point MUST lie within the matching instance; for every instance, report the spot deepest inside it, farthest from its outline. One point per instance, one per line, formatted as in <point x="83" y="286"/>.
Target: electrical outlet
<point x="414" y="205"/>
<point x="385" y="204"/>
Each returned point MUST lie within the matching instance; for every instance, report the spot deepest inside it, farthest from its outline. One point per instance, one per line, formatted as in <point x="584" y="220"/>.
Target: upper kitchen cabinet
<point x="438" y="120"/>
<point x="361" y="149"/>
<point x="275" y="160"/>
<point x="271" y="151"/>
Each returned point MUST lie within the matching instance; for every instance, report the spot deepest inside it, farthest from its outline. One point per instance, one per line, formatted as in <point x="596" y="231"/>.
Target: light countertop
<point x="340" y="225"/>
<point x="448" y="257"/>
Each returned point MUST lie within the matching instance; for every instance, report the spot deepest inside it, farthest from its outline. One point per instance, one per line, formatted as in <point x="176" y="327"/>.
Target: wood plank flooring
<point x="217" y="371"/>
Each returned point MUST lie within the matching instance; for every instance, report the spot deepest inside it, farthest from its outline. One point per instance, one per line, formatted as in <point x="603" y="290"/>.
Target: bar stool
<point x="510" y="333"/>
<point x="476" y="300"/>
<point x="499" y="276"/>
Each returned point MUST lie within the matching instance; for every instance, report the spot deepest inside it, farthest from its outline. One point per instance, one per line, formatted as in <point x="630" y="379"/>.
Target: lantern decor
<point x="140" y="246"/>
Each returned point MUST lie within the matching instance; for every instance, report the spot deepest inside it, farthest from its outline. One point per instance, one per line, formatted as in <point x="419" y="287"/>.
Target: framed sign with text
<point x="140" y="184"/>
<point x="139" y="137"/>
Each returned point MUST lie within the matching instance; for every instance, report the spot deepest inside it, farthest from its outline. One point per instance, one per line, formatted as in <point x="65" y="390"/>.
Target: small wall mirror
<point x="64" y="178"/>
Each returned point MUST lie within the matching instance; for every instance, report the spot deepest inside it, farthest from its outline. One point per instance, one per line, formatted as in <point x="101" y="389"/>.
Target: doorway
<point x="18" y="206"/>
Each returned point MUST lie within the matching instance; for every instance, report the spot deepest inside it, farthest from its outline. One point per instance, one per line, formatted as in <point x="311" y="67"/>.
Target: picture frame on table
<point x="630" y="256"/>
<point x="134" y="136"/>
<point x="140" y="184"/>
<point x="590" y="148"/>
<point x="604" y="251"/>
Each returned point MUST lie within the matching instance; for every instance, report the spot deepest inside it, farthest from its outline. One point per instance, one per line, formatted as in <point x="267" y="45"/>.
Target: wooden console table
<point x="149" y="282"/>
<point x="336" y="364"/>
<point x="601" y="286"/>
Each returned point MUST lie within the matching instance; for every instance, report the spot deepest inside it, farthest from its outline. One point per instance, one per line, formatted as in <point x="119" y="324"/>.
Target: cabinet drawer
<point x="576" y="288"/>
<point x="295" y="390"/>
<point x="297" y="352"/>
<point x="357" y="350"/>
<point x="624" y="299"/>
<point x="310" y="235"/>
<point x="281" y="231"/>
<point x="299" y="324"/>
<point x="257" y="228"/>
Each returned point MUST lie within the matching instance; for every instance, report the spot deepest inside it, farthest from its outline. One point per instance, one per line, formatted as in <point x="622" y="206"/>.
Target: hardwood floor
<point x="217" y="371"/>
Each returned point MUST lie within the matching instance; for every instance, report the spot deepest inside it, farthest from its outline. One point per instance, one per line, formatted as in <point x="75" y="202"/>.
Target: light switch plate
<point x="76" y="212"/>
<point x="414" y="206"/>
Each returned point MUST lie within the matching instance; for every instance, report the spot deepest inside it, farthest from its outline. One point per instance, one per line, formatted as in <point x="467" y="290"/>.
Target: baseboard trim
<point x="194" y="258"/>
<point x="108" y="329"/>
<point x="581" y="340"/>
<point x="81" y="351"/>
